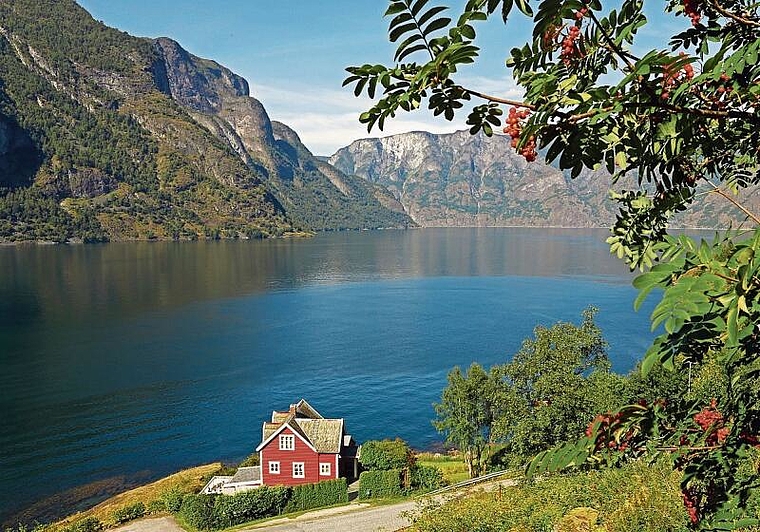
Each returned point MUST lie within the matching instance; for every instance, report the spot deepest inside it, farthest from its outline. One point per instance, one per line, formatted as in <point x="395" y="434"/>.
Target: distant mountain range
<point x="460" y="180"/>
<point x="464" y="180"/>
<point x="105" y="136"/>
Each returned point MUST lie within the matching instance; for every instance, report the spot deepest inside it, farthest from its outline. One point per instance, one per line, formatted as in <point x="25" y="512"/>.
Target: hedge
<point x="374" y="484"/>
<point x="427" y="477"/>
<point x="198" y="511"/>
<point x="326" y="493"/>
<point x="231" y="510"/>
<point x="210" y="512"/>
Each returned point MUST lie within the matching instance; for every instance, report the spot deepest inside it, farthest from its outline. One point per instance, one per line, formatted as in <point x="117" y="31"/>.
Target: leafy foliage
<point x="671" y="124"/>
<point x="556" y="382"/>
<point x="636" y="498"/>
<point x="129" y="513"/>
<point x="386" y="454"/>
<point x="325" y="493"/>
<point x="379" y="484"/>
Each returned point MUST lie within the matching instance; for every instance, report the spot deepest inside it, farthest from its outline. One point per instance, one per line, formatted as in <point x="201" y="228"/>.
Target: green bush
<point x="198" y="511"/>
<point x="426" y="477"/>
<point x="88" y="524"/>
<point x="231" y="510"/>
<point x="37" y="527"/>
<point x="325" y="493"/>
<point x="172" y="500"/>
<point x="129" y="513"/>
<point x="251" y="460"/>
<point x="386" y="455"/>
<point x="156" y="506"/>
<point x="377" y="484"/>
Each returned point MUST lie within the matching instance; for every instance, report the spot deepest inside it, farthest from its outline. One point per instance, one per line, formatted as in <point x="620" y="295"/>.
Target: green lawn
<point x="453" y="467"/>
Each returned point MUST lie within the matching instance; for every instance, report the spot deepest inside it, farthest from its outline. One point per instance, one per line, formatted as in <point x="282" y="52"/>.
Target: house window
<point x="274" y="468"/>
<point x="298" y="470"/>
<point x="287" y="442"/>
<point x="324" y="469"/>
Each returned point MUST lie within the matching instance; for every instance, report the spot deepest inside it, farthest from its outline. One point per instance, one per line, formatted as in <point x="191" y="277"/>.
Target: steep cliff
<point x="461" y="180"/>
<point x="108" y="136"/>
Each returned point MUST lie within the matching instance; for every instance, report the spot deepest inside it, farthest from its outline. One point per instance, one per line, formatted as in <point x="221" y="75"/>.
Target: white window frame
<point x="299" y="466"/>
<point x="325" y="469"/>
<point x="287" y="442"/>
<point x="274" y="467"/>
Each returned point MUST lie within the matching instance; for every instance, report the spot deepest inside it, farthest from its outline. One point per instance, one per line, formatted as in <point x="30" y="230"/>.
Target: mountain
<point x="462" y="180"/>
<point x="108" y="136"/>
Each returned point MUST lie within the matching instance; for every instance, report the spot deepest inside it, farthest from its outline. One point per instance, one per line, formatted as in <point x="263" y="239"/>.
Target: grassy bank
<point x="149" y="496"/>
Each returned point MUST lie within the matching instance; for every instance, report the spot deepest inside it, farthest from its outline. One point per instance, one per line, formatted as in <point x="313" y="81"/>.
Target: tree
<point x="560" y="379"/>
<point x="670" y="124"/>
<point x="466" y="414"/>
<point x="544" y="396"/>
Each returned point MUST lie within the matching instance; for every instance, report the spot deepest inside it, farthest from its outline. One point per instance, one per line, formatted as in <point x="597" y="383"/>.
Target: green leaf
<point x="436" y="25"/>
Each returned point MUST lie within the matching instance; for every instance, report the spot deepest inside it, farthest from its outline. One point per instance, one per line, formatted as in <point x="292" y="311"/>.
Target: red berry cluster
<point x="710" y="419"/>
<point x="514" y="130"/>
<point x="671" y="76"/>
<point x="691" y="504"/>
<point x="568" y="44"/>
<point x="691" y="9"/>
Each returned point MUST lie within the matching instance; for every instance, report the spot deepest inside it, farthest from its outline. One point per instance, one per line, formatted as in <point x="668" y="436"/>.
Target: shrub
<point x="386" y="455"/>
<point x="231" y="510"/>
<point x="250" y="461"/>
<point x="129" y="513"/>
<point x="156" y="506"/>
<point x="172" y="500"/>
<point x="325" y="493"/>
<point x="636" y="498"/>
<point x="37" y="527"/>
<point x="374" y="484"/>
<point x="88" y="524"/>
<point x="426" y="477"/>
<point x="198" y="511"/>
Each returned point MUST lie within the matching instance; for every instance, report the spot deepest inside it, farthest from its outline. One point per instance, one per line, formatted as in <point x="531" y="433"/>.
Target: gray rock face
<point x="461" y="180"/>
<point x="199" y="84"/>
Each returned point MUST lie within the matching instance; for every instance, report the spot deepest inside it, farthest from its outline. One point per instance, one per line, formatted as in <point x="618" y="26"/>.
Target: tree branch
<point x="738" y="205"/>
<point x="496" y="99"/>
<point x="736" y="18"/>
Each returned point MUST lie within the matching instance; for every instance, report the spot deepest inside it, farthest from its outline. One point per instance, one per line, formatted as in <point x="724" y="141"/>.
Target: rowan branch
<point x="736" y="18"/>
<point x="736" y="203"/>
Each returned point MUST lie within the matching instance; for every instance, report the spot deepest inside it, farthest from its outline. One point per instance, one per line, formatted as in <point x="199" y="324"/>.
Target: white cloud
<point x="327" y="119"/>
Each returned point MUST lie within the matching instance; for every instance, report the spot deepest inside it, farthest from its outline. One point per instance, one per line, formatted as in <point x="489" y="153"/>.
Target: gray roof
<point x="326" y="435"/>
<point x="247" y="474"/>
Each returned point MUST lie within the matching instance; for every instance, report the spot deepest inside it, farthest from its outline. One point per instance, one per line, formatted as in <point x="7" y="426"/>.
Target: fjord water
<point x="123" y="362"/>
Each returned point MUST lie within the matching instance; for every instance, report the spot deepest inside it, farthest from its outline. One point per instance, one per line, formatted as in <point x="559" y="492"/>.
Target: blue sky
<point x="293" y="54"/>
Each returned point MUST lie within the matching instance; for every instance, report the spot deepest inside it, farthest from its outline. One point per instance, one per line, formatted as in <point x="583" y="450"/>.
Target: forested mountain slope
<point x="108" y="136"/>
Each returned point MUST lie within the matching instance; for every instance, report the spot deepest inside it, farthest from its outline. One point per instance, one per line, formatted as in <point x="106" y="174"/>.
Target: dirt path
<point x="356" y="517"/>
<point x="153" y="524"/>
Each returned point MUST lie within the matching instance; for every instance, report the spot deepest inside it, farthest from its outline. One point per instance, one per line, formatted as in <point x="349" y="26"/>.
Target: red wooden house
<point x="300" y="446"/>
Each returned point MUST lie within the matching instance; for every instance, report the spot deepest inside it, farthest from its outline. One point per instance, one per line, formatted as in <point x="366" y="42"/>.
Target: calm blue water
<point x="123" y="362"/>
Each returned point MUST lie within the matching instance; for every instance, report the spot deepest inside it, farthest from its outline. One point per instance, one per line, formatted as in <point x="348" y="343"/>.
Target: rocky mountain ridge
<point x="459" y="180"/>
